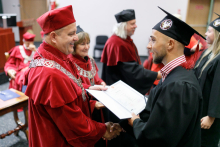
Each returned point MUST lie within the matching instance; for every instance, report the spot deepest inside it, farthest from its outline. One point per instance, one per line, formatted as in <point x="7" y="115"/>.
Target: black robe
<point x="210" y="84"/>
<point x="131" y="73"/>
<point x="172" y="114"/>
<point x="121" y="62"/>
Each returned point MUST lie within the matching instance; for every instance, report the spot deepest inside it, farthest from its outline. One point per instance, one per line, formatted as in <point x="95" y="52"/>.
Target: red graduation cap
<point x="56" y="19"/>
<point x="28" y="36"/>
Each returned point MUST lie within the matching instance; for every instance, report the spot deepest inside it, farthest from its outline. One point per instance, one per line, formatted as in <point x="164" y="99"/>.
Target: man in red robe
<point x="18" y="61"/>
<point x="59" y="109"/>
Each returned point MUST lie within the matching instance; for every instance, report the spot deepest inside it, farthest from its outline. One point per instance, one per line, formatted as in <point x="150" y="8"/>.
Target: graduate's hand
<point x="114" y="132"/>
<point x="159" y="76"/>
<point x="12" y="73"/>
<point x="131" y="120"/>
<point x="116" y="127"/>
<point x="99" y="105"/>
<point x="206" y="122"/>
<point x="98" y="88"/>
<point x="103" y="84"/>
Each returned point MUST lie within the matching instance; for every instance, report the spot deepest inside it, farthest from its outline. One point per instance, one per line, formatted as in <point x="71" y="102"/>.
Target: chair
<point x="100" y="43"/>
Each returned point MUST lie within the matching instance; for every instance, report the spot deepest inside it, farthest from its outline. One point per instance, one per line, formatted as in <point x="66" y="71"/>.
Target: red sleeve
<point x="78" y="129"/>
<point x="10" y="64"/>
<point x="15" y="60"/>
<point x="92" y="105"/>
<point x="148" y="62"/>
<point x="86" y="86"/>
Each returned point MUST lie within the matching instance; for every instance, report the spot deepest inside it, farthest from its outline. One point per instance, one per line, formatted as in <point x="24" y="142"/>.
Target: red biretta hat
<point x="56" y="19"/>
<point x="28" y="36"/>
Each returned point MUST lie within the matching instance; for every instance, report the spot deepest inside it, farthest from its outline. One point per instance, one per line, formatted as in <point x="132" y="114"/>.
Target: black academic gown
<point x="172" y="114"/>
<point x="210" y="84"/>
<point x="121" y="62"/>
<point x="137" y="77"/>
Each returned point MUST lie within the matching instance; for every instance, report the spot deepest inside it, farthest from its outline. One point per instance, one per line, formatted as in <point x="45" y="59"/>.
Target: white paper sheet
<point x="121" y="99"/>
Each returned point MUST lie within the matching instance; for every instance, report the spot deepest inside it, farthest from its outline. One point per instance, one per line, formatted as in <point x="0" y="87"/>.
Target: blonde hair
<point x="82" y="36"/>
<point x="119" y="30"/>
<point x="214" y="49"/>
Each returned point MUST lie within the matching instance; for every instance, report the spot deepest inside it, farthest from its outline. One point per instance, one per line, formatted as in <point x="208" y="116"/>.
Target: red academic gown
<point x="86" y="68"/>
<point x="88" y="71"/>
<point x="58" y="115"/>
<point x="18" y="60"/>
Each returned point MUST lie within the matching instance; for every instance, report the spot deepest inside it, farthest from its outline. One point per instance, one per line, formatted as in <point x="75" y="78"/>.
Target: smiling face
<point x="81" y="47"/>
<point x="131" y="26"/>
<point x="65" y="38"/>
<point x="157" y="45"/>
<point x="210" y="35"/>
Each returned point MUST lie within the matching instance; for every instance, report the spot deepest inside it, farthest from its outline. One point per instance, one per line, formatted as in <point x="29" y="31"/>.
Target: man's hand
<point x="32" y="47"/>
<point x="97" y="88"/>
<point x="131" y="120"/>
<point x="206" y="122"/>
<point x="112" y="131"/>
<point x="99" y="105"/>
<point x="12" y="73"/>
<point x="103" y="84"/>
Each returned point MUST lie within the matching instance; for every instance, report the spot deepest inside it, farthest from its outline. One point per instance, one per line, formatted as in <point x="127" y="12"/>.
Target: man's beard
<point x="159" y="59"/>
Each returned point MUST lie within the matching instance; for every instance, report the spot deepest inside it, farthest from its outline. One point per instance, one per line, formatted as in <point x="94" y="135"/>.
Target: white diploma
<point x="121" y="99"/>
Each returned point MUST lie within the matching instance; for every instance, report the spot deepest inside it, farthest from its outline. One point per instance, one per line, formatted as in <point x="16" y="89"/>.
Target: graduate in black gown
<point x="207" y="70"/>
<point x="173" y="111"/>
<point x="121" y="62"/>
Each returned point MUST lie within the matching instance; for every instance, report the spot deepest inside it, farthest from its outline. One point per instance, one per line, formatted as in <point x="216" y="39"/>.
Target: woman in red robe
<point x="85" y="64"/>
<point x="88" y="72"/>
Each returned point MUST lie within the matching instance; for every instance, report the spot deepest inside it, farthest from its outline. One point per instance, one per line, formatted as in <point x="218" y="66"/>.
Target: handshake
<point x="112" y="131"/>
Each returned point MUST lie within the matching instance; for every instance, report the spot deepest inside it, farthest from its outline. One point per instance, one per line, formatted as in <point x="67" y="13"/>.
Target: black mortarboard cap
<point x="125" y="15"/>
<point x="79" y="30"/>
<point x="216" y="23"/>
<point x="175" y="28"/>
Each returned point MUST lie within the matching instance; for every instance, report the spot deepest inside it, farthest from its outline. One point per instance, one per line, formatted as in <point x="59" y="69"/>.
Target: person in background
<point x="172" y="114"/>
<point x="59" y="109"/>
<point x="88" y="72"/>
<point x="85" y="64"/>
<point x="207" y="70"/>
<point x="120" y="56"/>
<point x="18" y="61"/>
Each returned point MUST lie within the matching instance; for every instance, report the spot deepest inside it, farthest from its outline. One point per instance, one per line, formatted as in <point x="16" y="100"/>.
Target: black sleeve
<point x="174" y="111"/>
<point x="187" y="51"/>
<point x="214" y="100"/>
<point x="136" y="76"/>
